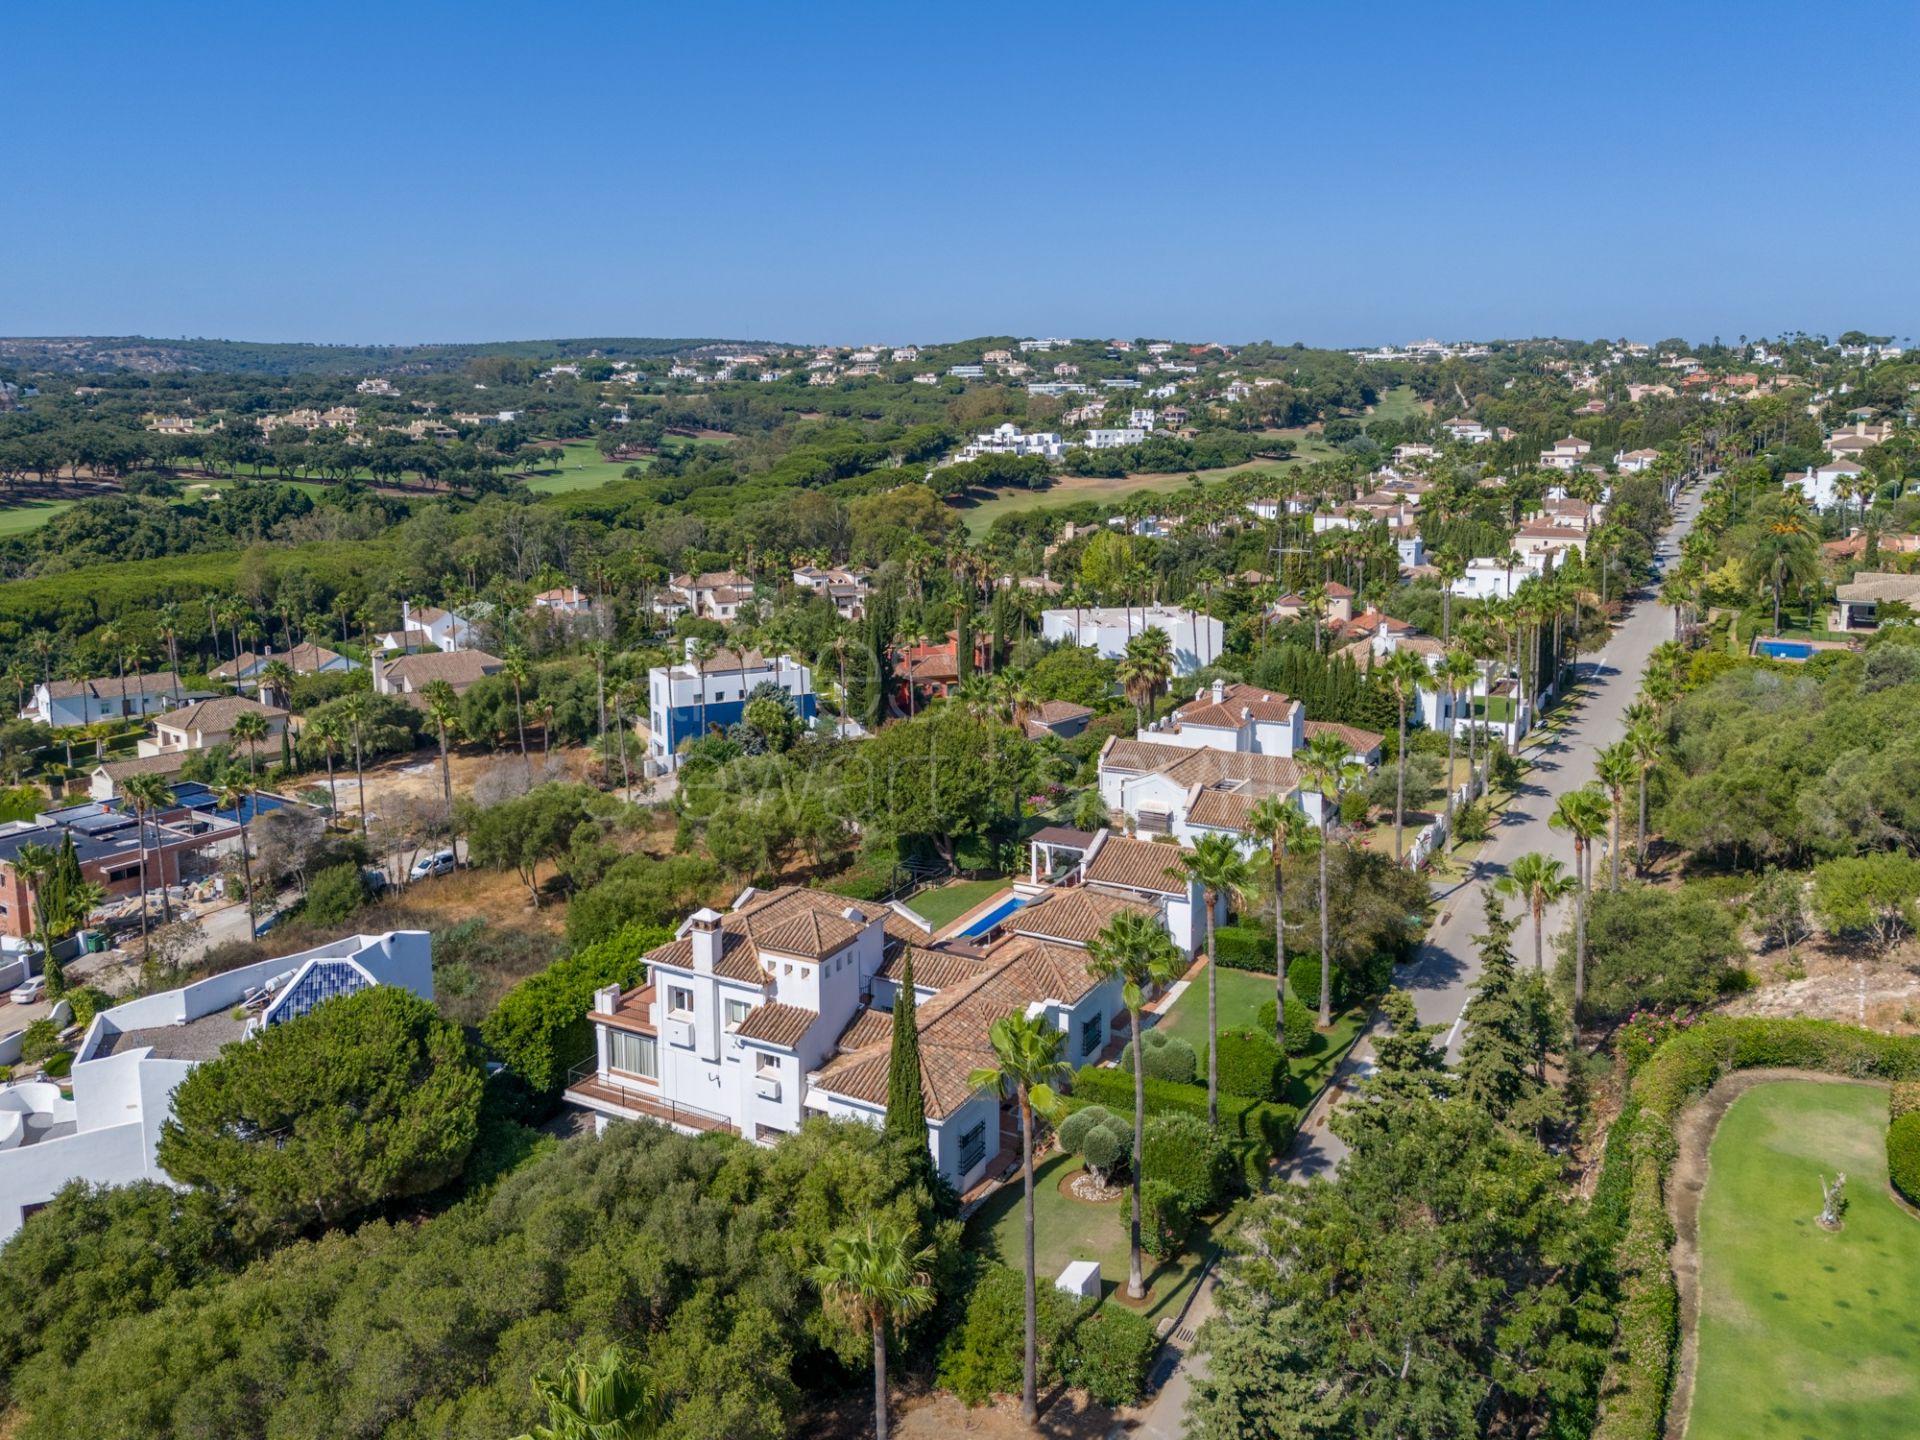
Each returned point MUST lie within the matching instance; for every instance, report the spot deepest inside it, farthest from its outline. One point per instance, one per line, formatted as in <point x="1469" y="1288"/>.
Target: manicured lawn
<point x="1802" y="1332"/>
<point x="1071" y="489"/>
<point x="948" y="903"/>
<point x="1398" y="403"/>
<point x="30" y="515"/>
<point x="1242" y="992"/>
<point x="580" y="468"/>
<point x="1068" y="1229"/>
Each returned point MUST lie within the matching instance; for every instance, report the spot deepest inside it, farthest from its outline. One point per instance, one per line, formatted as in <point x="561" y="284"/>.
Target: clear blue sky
<point x="1336" y="172"/>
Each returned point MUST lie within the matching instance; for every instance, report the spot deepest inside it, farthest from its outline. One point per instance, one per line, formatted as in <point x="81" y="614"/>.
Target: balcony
<point x="635" y="1100"/>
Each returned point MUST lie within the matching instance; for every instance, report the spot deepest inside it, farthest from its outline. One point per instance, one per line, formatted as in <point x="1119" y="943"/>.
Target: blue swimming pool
<point x="994" y="916"/>
<point x="1784" y="649"/>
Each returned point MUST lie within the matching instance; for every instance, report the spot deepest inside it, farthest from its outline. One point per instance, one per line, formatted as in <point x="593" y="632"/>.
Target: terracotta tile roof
<point x="777" y="1024"/>
<point x="157" y="683"/>
<point x="459" y="668"/>
<point x="216" y="717"/>
<point x="954" y="1026"/>
<point x="1202" y="766"/>
<point x="1075" y="915"/>
<point x="869" y="1027"/>
<point x="1260" y="705"/>
<point x="168" y="764"/>
<point x="932" y="969"/>
<point x="1220" y="809"/>
<point x="1054" y="711"/>
<point x="1137" y="864"/>
<point x="1360" y="742"/>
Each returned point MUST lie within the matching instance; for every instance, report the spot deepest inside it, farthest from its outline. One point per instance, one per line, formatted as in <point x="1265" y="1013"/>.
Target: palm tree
<point x="1583" y="814"/>
<point x="326" y="731"/>
<point x="1617" y="769"/>
<point x="514" y="667"/>
<point x="1537" y="881"/>
<point x="698" y="656"/>
<point x="1644" y="739"/>
<point x="145" y="794"/>
<point x="1027" y="1065"/>
<point x="1782" y="548"/>
<point x="1329" y="767"/>
<point x="874" y="1277"/>
<point x="1134" y="947"/>
<point x="1457" y="672"/>
<point x="248" y="730"/>
<point x="443" y="713"/>
<point x="1145" y="669"/>
<point x="1283" y="825"/>
<point x="1404" y="671"/>
<point x="1448" y="562"/>
<point x="35" y="863"/>
<point x="232" y="792"/>
<point x="354" y="711"/>
<point x="612" y="1398"/>
<point x="1217" y="866"/>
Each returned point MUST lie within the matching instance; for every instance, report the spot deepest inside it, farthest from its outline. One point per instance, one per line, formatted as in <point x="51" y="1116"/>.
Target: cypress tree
<point x="906" y="1105"/>
<point x="963" y="644"/>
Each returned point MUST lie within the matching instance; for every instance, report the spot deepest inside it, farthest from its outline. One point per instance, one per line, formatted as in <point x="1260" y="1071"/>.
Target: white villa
<point x="428" y="628"/>
<point x="1010" y="439"/>
<point x="754" y="1020"/>
<point x="133" y="1055"/>
<point x="1565" y="454"/>
<point x="1823" y="485"/>
<point x="60" y="703"/>
<point x="687" y="700"/>
<point x="1197" y="639"/>
<point x="1466" y="432"/>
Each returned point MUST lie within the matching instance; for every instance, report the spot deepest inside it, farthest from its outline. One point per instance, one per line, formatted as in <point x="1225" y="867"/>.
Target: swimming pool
<point x="994" y="916"/>
<point x="1784" y="649"/>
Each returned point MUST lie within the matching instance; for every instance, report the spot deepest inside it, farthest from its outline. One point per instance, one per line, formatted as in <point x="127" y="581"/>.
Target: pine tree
<point x="1511" y="1027"/>
<point x="906" y="1105"/>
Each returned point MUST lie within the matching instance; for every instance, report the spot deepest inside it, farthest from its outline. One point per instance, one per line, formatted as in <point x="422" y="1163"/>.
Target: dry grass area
<point x="1064" y="1415"/>
<point x="1831" y="981"/>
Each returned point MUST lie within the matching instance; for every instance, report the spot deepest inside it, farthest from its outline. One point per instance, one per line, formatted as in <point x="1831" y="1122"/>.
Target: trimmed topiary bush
<point x="1165" y="1220"/>
<point x="1300" y="1029"/>
<point x="1903" y="1155"/>
<point x="1102" y="1140"/>
<point x="1184" y="1152"/>
<point x="1251" y="1064"/>
<point x="1255" y="1130"/>
<point x="1243" y="947"/>
<point x="1168" y="1057"/>
<point x="1073" y="1130"/>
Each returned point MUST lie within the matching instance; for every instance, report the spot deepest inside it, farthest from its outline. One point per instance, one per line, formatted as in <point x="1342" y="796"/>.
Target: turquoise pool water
<point x="1785" y="649"/>
<point x="994" y="916"/>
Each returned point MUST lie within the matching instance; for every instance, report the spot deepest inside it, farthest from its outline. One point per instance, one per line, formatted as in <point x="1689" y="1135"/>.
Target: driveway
<point x="1442" y="973"/>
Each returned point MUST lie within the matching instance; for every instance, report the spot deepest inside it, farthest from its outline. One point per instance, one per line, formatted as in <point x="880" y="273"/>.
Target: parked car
<point x="33" y="988"/>
<point x="440" y="862"/>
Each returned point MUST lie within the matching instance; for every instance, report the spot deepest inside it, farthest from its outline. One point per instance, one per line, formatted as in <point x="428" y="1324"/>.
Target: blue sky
<point x="1334" y="173"/>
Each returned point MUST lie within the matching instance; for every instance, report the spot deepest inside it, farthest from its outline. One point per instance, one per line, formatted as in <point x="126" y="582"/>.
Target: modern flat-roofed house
<point x="206" y="723"/>
<point x="1196" y="639"/>
<point x="687" y="700"/>
<point x="108" y="845"/>
<point x="134" y="1055"/>
<point x="778" y="1010"/>
<point x="1860" y="598"/>
<point x="409" y="675"/>
<point x="60" y="703"/>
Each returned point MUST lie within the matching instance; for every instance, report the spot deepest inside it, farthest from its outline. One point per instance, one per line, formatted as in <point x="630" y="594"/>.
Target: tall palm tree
<point x="1645" y="740"/>
<point x="443" y="713"/>
<point x="144" y="795"/>
<point x="1283" y="826"/>
<point x="276" y="679"/>
<point x="1217" y="866"/>
<point x="35" y="863"/>
<point x="1537" y="881"/>
<point x="1782" y="547"/>
<point x="1451" y="566"/>
<point x="514" y="667"/>
<point x="1027" y="1066"/>
<point x="248" y="731"/>
<point x="700" y="654"/>
<point x="1617" y="769"/>
<point x="1328" y="766"/>
<point x="1135" y="948"/>
<point x="611" y="1398"/>
<point x="232" y="792"/>
<point x="355" y="711"/>
<point x="1582" y="814"/>
<point x="875" y="1278"/>
<point x="327" y="732"/>
<point x="1404" y="672"/>
<point x="1457" y="672"/>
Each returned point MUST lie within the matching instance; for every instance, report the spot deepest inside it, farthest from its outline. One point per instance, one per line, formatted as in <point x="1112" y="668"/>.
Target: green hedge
<point x="1301" y="1024"/>
<point x="1179" y="1150"/>
<point x="1244" y="947"/>
<point x="1903" y="1155"/>
<point x="1251" y="1064"/>
<point x="1102" y="1349"/>
<point x="1168" y="1057"/>
<point x="1633" y="1182"/>
<point x="1256" y="1130"/>
<point x="540" y="1027"/>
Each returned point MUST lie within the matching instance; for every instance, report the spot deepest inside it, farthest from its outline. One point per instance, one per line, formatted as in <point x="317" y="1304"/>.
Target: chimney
<point x="1219" y="690"/>
<point x="703" y="929"/>
<point x="606" y="999"/>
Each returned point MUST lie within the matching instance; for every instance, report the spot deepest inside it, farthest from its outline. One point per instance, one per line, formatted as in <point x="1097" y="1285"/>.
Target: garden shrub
<point x="1244" y="947"/>
<point x="1297" y="1038"/>
<point x="1471" y="822"/>
<point x="334" y="894"/>
<point x="1903" y="1098"/>
<point x="540" y="1027"/>
<point x="87" y="1002"/>
<point x="1255" y="1130"/>
<point x="1103" y="1349"/>
<point x="59" y="1065"/>
<point x="1105" y="1149"/>
<point x="1903" y="1154"/>
<point x="38" y="1041"/>
<point x="1167" y="1057"/>
<point x="1165" y="1219"/>
<point x="1251" y="1064"/>
<point x="1073" y="1129"/>
<point x="1182" y="1151"/>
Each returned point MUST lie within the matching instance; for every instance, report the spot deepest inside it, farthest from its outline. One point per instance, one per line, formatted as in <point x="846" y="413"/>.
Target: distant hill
<point x="89" y="354"/>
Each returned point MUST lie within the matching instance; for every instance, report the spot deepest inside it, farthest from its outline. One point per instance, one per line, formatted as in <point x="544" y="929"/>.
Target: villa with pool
<point x="780" y="1008"/>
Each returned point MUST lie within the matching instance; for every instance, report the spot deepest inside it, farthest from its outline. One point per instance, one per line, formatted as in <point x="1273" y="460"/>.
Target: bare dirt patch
<point x="1065" y="1415"/>
<point x="1837" y="982"/>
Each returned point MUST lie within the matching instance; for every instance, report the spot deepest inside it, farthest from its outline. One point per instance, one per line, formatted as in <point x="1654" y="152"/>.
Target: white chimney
<point x="703" y="930"/>
<point x="1219" y="689"/>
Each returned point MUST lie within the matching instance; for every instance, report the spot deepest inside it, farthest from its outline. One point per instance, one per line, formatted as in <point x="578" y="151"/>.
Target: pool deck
<point x="1802" y="650"/>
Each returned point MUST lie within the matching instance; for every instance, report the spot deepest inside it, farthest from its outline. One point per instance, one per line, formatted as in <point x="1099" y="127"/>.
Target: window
<point x="635" y="1054"/>
<point x="973" y="1147"/>
<point x="737" y="1011"/>
<point x="679" y="1000"/>
<point x="763" y="1062"/>
<point x="1092" y="1032"/>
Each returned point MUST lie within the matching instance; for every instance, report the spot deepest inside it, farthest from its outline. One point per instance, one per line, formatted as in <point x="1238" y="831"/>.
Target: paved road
<point x="1446" y="965"/>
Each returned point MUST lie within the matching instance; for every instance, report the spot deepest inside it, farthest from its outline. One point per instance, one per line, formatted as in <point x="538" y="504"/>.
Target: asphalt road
<point x="1446" y="966"/>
